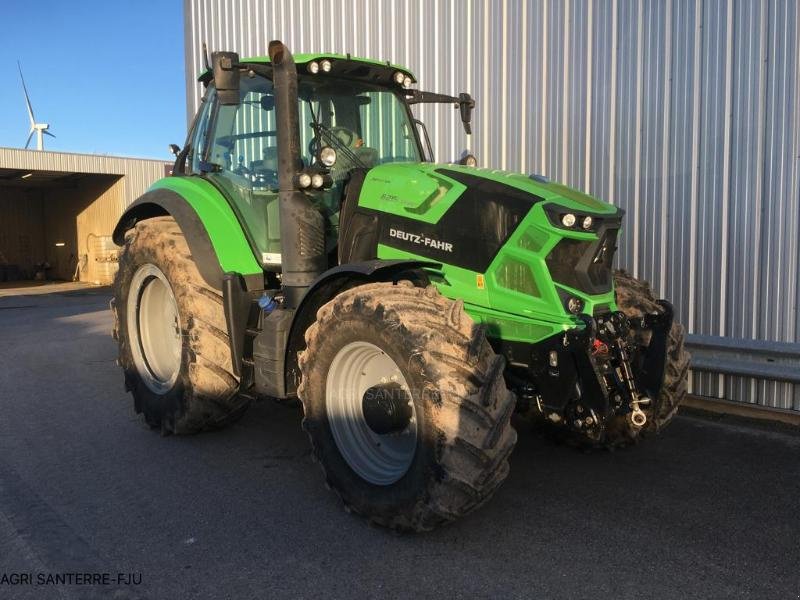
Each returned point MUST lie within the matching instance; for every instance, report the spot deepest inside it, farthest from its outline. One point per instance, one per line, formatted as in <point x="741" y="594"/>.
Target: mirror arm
<point x="419" y="97"/>
<point x="465" y="103"/>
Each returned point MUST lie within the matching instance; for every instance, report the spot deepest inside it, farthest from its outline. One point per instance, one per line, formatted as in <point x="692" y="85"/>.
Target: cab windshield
<point x="371" y="124"/>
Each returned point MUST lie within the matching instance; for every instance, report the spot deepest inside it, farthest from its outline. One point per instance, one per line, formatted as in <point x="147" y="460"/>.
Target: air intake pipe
<point x="303" y="254"/>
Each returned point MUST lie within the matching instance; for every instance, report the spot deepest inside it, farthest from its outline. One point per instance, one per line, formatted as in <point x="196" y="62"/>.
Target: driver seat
<point x="269" y="162"/>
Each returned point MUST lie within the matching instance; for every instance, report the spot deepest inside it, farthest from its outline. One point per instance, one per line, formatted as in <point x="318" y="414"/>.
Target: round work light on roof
<point x="399" y="77"/>
<point x="313" y="67"/>
<point x="325" y="65"/>
<point x="303" y="180"/>
<point x="317" y="180"/>
<point x="407" y="82"/>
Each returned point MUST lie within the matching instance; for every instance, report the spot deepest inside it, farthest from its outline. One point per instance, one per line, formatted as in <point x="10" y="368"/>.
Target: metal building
<point x="57" y="211"/>
<point x="685" y="113"/>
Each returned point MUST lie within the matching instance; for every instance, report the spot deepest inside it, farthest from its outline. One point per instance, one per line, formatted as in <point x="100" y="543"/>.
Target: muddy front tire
<point x="170" y="328"/>
<point x="405" y="405"/>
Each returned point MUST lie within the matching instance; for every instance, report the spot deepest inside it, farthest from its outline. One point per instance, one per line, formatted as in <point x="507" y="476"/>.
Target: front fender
<point x="213" y="233"/>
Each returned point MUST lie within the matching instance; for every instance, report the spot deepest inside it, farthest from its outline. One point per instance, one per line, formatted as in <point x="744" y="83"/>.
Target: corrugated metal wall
<point x="686" y="114"/>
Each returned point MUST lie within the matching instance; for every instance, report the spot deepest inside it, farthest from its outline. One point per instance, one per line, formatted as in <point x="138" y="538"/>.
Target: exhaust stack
<point x="303" y="255"/>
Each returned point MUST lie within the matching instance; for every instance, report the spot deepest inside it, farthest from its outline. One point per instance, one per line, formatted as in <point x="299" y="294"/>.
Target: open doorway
<point x="56" y="226"/>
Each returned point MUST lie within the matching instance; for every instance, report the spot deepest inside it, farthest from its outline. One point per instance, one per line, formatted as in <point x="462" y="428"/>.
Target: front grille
<point x="584" y="265"/>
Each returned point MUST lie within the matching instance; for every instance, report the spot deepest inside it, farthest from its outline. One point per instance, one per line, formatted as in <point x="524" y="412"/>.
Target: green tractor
<point x="307" y="247"/>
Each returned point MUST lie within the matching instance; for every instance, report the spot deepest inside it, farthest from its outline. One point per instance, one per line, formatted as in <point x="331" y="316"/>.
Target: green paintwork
<point x="415" y="190"/>
<point x="306" y="57"/>
<point x="226" y="234"/>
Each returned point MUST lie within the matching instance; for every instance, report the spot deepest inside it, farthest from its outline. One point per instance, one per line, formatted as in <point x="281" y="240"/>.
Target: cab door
<point x="238" y="153"/>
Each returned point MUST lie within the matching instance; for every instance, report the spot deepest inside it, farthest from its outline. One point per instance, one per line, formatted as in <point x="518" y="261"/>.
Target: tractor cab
<point x="353" y="115"/>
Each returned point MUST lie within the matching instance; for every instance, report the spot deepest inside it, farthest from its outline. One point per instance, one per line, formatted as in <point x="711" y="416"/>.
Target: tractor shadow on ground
<point x="687" y="472"/>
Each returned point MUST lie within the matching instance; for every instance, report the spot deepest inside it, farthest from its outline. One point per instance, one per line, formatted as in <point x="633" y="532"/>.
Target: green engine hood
<point x="422" y="191"/>
<point x="494" y="234"/>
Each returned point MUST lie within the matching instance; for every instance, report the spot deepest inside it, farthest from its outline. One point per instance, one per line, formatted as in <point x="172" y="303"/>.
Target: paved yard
<point x="709" y="509"/>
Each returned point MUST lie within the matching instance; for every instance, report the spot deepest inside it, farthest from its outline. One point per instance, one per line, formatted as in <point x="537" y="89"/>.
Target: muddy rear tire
<point x="456" y="408"/>
<point x="170" y="328"/>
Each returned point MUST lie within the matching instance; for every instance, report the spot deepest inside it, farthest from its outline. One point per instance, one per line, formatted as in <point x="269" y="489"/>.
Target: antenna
<point x="40" y="129"/>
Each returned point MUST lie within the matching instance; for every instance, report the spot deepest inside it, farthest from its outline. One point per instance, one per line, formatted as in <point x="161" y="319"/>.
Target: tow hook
<point x="637" y="417"/>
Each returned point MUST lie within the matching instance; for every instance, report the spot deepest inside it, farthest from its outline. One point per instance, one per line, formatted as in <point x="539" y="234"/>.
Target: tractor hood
<point x="426" y="191"/>
<point x="461" y="215"/>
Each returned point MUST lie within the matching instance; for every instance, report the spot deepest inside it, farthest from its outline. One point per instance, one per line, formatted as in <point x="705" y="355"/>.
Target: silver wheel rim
<point x="380" y="459"/>
<point x="154" y="329"/>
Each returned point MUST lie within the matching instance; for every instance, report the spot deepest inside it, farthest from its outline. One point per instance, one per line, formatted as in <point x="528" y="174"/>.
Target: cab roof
<point x="342" y="65"/>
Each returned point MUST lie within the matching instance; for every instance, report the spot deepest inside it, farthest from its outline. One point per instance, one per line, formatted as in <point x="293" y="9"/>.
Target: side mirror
<point x="465" y="105"/>
<point x="224" y="66"/>
<point x="174" y="149"/>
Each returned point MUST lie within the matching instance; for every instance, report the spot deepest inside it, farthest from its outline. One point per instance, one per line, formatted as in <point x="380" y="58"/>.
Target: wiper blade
<point x="323" y="132"/>
<point x="333" y="140"/>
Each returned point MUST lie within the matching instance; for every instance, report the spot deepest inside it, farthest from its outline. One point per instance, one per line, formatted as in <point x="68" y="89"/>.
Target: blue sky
<point x="107" y="75"/>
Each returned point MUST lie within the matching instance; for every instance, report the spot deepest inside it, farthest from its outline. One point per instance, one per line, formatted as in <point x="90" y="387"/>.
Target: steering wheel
<point x="240" y="168"/>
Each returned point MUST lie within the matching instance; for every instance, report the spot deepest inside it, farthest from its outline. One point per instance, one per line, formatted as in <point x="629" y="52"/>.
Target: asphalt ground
<point x="708" y="509"/>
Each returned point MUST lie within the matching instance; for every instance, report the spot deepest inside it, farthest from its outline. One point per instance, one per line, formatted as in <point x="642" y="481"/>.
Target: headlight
<point x="568" y="220"/>
<point x="407" y="82"/>
<point x="326" y="66"/>
<point x="317" y="180"/>
<point x="574" y="305"/>
<point x="327" y="156"/>
<point x="399" y="77"/>
<point x="303" y="180"/>
<point x="587" y="222"/>
<point x="313" y="67"/>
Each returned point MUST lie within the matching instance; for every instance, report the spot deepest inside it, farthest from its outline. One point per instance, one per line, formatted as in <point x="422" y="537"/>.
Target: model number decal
<point x="420" y="240"/>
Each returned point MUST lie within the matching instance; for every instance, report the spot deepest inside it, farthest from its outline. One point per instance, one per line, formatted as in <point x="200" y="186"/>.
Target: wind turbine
<point x="40" y="129"/>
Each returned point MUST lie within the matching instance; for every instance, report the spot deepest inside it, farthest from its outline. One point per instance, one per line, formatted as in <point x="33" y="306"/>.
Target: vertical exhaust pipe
<point x="303" y="254"/>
